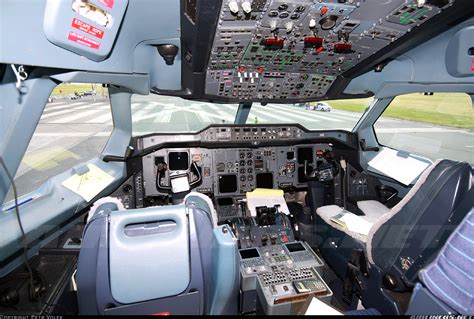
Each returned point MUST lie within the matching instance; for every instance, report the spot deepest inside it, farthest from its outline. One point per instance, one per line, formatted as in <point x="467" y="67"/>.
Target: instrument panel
<point x="287" y="49"/>
<point x="226" y="161"/>
<point x="234" y="171"/>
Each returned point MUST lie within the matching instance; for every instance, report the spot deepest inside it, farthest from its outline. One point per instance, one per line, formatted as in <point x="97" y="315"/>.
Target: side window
<point x="75" y="126"/>
<point x="432" y="125"/>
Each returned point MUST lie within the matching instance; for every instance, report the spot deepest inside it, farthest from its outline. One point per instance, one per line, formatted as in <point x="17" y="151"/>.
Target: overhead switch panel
<point x="299" y="48"/>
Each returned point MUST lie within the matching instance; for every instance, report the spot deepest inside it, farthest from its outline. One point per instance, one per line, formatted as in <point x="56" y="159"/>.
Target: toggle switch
<point x="247" y="7"/>
<point x="233" y="7"/>
<point x="273" y="25"/>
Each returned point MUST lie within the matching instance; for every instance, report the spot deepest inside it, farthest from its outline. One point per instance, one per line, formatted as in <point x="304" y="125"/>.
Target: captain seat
<point x="402" y="239"/>
<point x="158" y="260"/>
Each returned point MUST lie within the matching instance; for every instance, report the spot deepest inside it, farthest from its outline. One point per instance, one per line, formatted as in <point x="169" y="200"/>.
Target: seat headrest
<point x="134" y="257"/>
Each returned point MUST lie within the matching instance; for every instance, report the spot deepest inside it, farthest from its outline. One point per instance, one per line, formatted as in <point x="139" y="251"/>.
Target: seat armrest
<point x="225" y="273"/>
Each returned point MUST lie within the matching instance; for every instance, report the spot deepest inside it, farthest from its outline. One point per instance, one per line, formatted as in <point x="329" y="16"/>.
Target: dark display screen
<point x="301" y="175"/>
<point x="295" y="247"/>
<point x="227" y="183"/>
<point x="178" y="161"/>
<point x="225" y="201"/>
<point x="258" y="164"/>
<point x="265" y="180"/>
<point x="249" y="253"/>
<point x="305" y="154"/>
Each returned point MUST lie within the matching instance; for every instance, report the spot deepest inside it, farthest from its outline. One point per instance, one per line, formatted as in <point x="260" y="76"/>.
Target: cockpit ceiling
<point x="288" y="50"/>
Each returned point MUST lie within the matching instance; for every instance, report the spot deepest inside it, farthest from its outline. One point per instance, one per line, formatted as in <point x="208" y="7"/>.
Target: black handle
<point x="114" y="158"/>
<point x="386" y="193"/>
<point x="365" y="148"/>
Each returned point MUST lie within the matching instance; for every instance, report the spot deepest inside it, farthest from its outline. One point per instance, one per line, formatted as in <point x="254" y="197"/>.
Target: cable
<point x="25" y="244"/>
<point x="343" y="166"/>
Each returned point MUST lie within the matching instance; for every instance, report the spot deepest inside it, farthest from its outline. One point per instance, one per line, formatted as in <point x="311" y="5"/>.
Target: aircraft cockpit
<point x="236" y="157"/>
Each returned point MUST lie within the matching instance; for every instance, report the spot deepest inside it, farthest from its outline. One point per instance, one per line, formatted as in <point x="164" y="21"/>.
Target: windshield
<point x="163" y="114"/>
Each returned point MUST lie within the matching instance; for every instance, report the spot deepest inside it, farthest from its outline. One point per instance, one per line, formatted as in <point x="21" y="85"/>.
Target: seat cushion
<point x="326" y="212"/>
<point x="372" y="209"/>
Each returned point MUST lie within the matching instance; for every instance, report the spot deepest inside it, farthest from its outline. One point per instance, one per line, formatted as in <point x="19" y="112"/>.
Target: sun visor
<point x="460" y="53"/>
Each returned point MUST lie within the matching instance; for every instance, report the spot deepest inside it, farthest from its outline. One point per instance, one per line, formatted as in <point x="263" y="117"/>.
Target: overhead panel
<point x="283" y="50"/>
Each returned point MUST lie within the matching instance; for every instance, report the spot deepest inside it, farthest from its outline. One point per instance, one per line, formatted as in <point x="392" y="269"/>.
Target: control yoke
<point x="324" y="172"/>
<point x="177" y="182"/>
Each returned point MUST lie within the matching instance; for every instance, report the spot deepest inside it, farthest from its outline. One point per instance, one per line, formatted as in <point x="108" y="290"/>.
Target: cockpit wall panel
<point x="442" y="64"/>
<point x="146" y="23"/>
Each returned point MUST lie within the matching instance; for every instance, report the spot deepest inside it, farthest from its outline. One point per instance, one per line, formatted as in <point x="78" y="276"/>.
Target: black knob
<point x="161" y="167"/>
<point x="168" y="52"/>
<point x="389" y="281"/>
<point x="127" y="188"/>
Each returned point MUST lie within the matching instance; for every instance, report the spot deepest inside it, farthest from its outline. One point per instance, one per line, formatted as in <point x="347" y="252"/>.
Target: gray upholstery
<point x="326" y="212"/>
<point x="145" y="261"/>
<point x="372" y="209"/>
<point x="429" y="210"/>
<point x="410" y="235"/>
<point x="204" y="203"/>
<point x="158" y="259"/>
<point x="413" y="206"/>
<point x="396" y="209"/>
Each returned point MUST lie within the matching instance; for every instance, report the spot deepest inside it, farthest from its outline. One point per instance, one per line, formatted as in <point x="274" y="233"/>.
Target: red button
<point x="324" y="10"/>
<point x="313" y="42"/>
<point x="319" y="50"/>
<point x="284" y="238"/>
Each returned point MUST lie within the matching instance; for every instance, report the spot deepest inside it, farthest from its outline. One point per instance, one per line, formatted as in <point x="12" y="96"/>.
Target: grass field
<point x="454" y="109"/>
<point x="66" y="89"/>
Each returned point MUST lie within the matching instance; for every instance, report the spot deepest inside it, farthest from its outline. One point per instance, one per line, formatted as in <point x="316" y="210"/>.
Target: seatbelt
<point x="356" y="267"/>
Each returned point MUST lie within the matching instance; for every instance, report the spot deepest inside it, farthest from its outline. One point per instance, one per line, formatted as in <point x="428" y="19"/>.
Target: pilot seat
<point x="158" y="260"/>
<point x="401" y="240"/>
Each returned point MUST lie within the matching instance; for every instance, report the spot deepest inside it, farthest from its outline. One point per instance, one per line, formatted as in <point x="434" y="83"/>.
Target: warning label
<point x="79" y="38"/>
<point x="87" y="28"/>
<point x="108" y="3"/>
